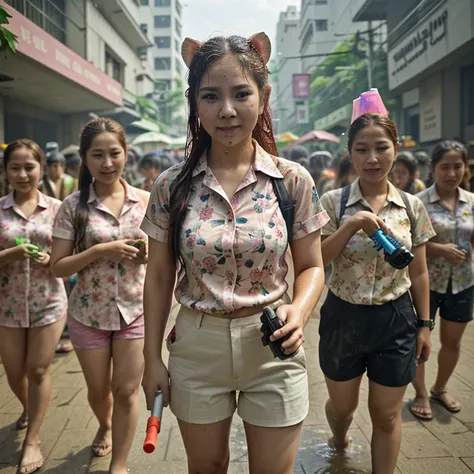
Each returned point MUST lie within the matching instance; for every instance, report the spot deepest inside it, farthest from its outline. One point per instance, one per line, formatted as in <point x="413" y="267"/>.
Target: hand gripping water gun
<point x="33" y="249"/>
<point x="397" y="255"/>
<point x="270" y="324"/>
<point x="153" y="425"/>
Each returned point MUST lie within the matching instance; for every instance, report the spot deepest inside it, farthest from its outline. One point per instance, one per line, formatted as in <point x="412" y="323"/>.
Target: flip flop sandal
<point x="436" y="397"/>
<point x="22" y="423"/>
<point x="64" y="348"/>
<point x="420" y="416"/>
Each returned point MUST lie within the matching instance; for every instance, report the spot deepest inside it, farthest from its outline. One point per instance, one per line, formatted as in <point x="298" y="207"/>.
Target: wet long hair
<point x="89" y="132"/>
<point x="198" y="139"/>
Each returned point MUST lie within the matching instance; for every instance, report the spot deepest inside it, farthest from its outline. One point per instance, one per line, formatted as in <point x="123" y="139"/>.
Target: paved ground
<point x="444" y="445"/>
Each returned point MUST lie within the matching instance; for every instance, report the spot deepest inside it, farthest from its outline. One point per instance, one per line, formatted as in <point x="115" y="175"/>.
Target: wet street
<point x="443" y="445"/>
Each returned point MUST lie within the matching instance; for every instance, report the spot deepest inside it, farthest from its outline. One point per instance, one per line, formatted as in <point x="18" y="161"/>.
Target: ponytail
<point x="82" y="210"/>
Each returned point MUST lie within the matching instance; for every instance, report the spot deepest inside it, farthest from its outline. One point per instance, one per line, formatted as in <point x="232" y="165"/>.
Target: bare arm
<point x="309" y="273"/>
<point x="157" y="297"/>
<point x="420" y="290"/>
<point x="434" y="249"/>
<point x="65" y="263"/>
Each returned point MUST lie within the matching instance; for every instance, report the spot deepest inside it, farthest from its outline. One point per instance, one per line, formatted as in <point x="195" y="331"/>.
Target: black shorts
<point x="379" y="339"/>
<point x="456" y="308"/>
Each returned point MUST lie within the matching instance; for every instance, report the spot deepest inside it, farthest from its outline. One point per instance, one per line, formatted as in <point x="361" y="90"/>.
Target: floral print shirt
<point x="360" y="273"/>
<point x="106" y="291"/>
<point x="29" y="294"/>
<point x="455" y="228"/>
<point x="234" y="249"/>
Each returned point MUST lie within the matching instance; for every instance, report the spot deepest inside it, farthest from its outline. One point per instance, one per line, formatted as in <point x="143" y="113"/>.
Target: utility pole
<point x="370" y="54"/>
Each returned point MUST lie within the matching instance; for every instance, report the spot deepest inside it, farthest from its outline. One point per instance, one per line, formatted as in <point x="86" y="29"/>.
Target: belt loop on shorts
<point x="199" y="320"/>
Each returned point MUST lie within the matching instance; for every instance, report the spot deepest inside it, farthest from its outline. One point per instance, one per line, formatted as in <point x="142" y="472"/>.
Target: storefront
<point x="47" y="91"/>
<point x="431" y="69"/>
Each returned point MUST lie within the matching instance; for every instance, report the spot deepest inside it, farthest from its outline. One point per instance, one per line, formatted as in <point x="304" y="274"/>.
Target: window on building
<point x="178" y="67"/>
<point x="113" y="67"/>
<point x="162" y="3"/>
<point x="177" y="46"/>
<point x="178" y="8"/>
<point x="321" y="25"/>
<point x="177" y="26"/>
<point x="467" y="78"/>
<point x="320" y="2"/>
<point x="162" y="21"/>
<point x="144" y="3"/>
<point x="162" y="64"/>
<point x="163" y="42"/>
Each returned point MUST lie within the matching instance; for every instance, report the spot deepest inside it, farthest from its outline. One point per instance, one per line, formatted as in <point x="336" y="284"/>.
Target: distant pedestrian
<point x="405" y="173"/>
<point x="96" y="235"/>
<point x="56" y="183"/>
<point x="33" y="303"/>
<point x="451" y="268"/>
<point x="216" y="219"/>
<point x="368" y="321"/>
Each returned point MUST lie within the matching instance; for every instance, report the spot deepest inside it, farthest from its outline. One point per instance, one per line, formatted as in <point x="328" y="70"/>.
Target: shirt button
<point x="112" y="265"/>
<point x="230" y="221"/>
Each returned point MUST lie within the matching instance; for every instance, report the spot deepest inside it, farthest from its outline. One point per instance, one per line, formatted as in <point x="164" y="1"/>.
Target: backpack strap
<point x="345" y="193"/>
<point x="409" y="210"/>
<point x="287" y="206"/>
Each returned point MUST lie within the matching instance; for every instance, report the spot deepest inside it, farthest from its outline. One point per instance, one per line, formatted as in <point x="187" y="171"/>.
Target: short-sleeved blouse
<point x="360" y="273"/>
<point x="29" y="294"/>
<point x="451" y="228"/>
<point x="234" y="249"/>
<point x="106" y="291"/>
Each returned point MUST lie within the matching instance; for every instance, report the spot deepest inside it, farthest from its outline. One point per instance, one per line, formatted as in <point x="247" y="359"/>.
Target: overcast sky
<point x="205" y="18"/>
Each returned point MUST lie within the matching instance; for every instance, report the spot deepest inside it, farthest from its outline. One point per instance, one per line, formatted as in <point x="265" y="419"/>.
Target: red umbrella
<point x="317" y="135"/>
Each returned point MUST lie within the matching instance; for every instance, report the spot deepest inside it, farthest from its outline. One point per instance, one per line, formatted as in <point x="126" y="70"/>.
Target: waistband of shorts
<point x="201" y="319"/>
<point x="400" y="302"/>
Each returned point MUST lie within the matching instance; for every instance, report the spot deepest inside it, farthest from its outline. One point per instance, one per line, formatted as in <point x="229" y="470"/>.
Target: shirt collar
<point x="356" y="195"/>
<point x="130" y="193"/>
<point x="10" y="201"/>
<point x="263" y="162"/>
<point x="434" y="195"/>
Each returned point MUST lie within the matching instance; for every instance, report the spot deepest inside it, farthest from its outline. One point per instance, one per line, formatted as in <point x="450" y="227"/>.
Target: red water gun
<point x="153" y="425"/>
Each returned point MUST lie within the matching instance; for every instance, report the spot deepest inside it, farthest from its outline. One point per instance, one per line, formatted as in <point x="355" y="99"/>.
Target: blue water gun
<point x="397" y="255"/>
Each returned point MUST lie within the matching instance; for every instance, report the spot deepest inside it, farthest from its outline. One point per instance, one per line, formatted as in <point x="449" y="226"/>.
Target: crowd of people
<point x="211" y="232"/>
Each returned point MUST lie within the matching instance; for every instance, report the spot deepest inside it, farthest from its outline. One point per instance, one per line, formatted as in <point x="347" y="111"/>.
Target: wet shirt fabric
<point x="234" y="249"/>
<point x="451" y="228"/>
<point x="106" y="291"/>
<point x="29" y="294"/>
<point x="360" y="273"/>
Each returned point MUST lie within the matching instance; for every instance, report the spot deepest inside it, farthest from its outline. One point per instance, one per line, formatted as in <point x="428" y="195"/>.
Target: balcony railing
<point x="47" y="14"/>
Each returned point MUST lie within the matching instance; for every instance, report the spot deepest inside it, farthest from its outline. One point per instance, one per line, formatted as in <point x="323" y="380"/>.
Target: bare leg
<point x="41" y="347"/>
<point x="450" y="335"/>
<point x="385" y="407"/>
<point x="13" y="351"/>
<point x="207" y="446"/>
<point x="127" y="355"/>
<point x="420" y="406"/>
<point x="340" y="408"/>
<point x="97" y="367"/>
<point x="272" y="450"/>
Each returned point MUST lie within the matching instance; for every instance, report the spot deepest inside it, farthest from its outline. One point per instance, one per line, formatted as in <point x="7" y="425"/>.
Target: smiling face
<point x="373" y="153"/>
<point x="229" y="103"/>
<point x="106" y="158"/>
<point x="449" y="171"/>
<point x="23" y="171"/>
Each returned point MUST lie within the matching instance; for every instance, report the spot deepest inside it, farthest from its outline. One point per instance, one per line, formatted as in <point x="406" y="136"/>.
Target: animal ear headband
<point x="260" y="42"/>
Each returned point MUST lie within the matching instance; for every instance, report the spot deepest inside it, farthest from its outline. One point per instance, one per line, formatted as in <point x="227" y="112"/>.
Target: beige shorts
<point x="217" y="365"/>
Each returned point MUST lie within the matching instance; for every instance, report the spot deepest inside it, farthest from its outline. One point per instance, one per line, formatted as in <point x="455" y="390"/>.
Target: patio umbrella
<point x="317" y="135"/>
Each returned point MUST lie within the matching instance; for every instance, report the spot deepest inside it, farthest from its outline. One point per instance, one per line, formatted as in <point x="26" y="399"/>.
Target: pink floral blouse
<point x="29" y="294"/>
<point x="234" y="250"/>
<point x="106" y="290"/>
<point x="360" y="273"/>
<point x="451" y="228"/>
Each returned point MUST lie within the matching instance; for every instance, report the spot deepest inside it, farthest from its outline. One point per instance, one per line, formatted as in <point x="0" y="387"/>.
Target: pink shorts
<point x="85" y="337"/>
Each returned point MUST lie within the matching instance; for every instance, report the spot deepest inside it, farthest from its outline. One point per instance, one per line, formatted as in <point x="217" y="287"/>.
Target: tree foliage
<point x="8" y="39"/>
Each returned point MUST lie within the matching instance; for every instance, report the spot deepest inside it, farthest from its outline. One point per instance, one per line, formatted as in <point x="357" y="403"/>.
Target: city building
<point x="73" y="59"/>
<point x="165" y="29"/>
<point x="430" y="66"/>
<point x="286" y="63"/>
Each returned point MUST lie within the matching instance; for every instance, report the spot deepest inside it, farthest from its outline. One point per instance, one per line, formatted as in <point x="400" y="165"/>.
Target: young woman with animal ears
<point x="216" y="218"/>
